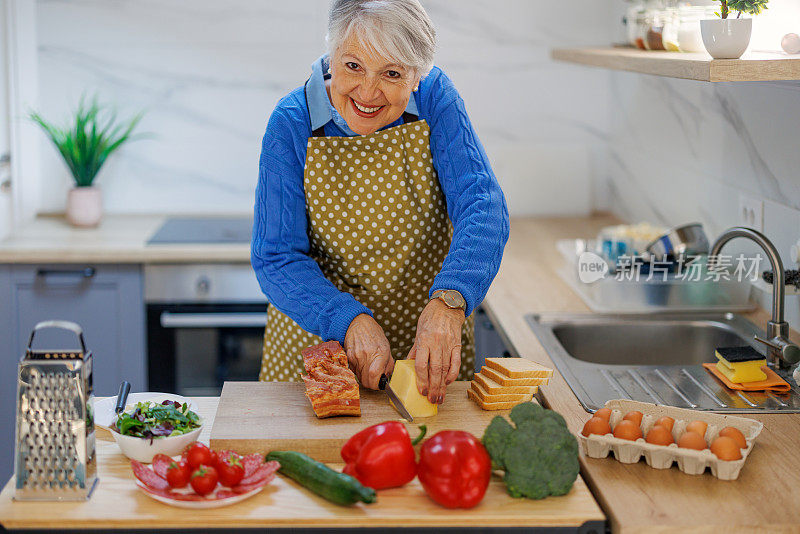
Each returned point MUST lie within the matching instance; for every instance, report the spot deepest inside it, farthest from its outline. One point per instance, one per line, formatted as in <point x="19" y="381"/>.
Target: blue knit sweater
<point x="294" y="283"/>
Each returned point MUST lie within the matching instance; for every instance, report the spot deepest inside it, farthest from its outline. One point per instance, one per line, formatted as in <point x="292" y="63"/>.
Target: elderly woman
<point x="378" y="220"/>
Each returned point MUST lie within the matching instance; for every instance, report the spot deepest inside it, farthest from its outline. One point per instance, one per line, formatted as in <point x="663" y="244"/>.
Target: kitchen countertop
<point x="117" y="503"/>
<point x="638" y="498"/>
<point x="635" y="498"/>
<point x="118" y="239"/>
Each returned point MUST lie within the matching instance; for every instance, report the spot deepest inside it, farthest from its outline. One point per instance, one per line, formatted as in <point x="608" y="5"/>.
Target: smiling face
<point x="368" y="91"/>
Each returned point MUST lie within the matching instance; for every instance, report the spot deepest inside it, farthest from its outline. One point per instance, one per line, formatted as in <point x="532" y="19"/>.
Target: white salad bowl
<point x="142" y="450"/>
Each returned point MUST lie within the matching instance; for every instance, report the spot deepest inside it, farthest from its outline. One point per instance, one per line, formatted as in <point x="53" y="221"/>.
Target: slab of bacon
<point x="330" y="384"/>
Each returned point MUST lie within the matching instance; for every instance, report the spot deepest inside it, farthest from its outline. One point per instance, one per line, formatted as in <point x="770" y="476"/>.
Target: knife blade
<point x="383" y="385"/>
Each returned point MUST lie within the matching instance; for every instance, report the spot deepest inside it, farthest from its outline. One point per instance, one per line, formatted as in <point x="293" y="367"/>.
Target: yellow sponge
<point x="741" y="364"/>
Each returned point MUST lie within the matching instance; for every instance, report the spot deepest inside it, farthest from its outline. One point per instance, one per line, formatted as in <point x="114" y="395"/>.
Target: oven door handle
<point x="213" y="320"/>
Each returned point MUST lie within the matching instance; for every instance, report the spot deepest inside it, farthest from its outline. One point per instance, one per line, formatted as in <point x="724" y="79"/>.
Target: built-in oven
<point x="205" y="326"/>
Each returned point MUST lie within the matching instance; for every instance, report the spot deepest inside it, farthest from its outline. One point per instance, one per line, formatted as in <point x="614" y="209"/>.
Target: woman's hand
<point x="368" y="350"/>
<point x="437" y="349"/>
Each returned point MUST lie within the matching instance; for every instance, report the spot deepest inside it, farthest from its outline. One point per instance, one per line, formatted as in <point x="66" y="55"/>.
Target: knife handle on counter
<point x="382" y="382"/>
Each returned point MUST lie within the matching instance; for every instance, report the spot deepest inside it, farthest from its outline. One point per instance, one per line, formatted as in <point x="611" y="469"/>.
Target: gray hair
<point x="397" y="29"/>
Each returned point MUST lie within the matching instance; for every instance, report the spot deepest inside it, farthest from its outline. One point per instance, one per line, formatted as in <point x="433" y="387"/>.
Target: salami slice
<point x="244" y="488"/>
<point x="148" y="477"/>
<point x="263" y="471"/>
<point x="251" y="463"/>
<point x="161" y="464"/>
<point x="170" y="494"/>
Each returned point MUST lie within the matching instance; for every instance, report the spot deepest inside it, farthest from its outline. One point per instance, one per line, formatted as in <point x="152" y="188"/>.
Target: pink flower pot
<point x="85" y="206"/>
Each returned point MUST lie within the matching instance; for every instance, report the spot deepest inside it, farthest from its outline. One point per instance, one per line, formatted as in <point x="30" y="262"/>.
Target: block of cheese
<point x="493" y="388"/>
<point x="503" y="405"/>
<point x="404" y="384"/>
<point x="499" y="397"/>
<point x="518" y="368"/>
<point x="741" y="364"/>
<point x="503" y="380"/>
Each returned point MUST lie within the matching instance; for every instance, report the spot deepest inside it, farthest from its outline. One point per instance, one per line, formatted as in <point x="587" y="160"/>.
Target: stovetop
<point x="187" y="230"/>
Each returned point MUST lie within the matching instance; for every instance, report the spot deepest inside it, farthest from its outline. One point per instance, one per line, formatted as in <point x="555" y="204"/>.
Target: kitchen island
<point x="635" y="498"/>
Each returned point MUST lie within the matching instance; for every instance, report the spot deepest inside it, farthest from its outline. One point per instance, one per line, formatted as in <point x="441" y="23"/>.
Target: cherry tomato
<point x="214" y="462"/>
<point x="204" y="479"/>
<point x="230" y="470"/>
<point x="198" y="454"/>
<point x="178" y="474"/>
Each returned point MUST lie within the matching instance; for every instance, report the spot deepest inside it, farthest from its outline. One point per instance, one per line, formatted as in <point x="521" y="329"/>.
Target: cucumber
<point x="321" y="479"/>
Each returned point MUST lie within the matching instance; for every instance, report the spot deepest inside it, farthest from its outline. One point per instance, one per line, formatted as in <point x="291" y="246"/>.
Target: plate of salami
<point x="152" y="480"/>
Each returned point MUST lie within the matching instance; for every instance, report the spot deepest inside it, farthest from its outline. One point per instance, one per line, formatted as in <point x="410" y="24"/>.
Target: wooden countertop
<point x="637" y="498"/>
<point x="117" y="503"/>
<point x="118" y="239"/>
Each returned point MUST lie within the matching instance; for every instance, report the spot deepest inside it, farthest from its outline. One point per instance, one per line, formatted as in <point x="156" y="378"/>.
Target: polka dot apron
<point x="379" y="230"/>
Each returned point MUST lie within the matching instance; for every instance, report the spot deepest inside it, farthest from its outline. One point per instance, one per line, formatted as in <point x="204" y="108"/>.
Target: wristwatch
<point x="452" y="299"/>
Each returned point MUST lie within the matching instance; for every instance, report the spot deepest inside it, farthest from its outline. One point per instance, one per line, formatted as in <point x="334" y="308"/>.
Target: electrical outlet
<point x="751" y="212"/>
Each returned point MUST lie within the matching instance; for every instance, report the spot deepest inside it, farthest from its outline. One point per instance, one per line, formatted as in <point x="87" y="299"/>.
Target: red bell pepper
<point x="454" y="469"/>
<point x="382" y="456"/>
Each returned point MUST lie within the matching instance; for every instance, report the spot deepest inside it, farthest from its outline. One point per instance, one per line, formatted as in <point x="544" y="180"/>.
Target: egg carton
<point x="690" y="461"/>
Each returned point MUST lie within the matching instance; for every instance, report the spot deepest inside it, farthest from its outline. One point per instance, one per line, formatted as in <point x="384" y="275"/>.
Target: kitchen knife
<point x="122" y="396"/>
<point x="383" y="385"/>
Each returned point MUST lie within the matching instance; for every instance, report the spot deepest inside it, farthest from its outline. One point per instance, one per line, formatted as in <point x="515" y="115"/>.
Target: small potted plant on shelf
<point x="85" y="146"/>
<point x="728" y="38"/>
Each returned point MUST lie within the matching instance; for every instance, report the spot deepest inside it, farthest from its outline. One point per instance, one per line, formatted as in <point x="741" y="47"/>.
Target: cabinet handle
<point x="86" y="272"/>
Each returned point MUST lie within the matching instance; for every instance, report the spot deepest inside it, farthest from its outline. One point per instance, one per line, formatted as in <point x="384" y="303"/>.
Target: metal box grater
<point x="54" y="456"/>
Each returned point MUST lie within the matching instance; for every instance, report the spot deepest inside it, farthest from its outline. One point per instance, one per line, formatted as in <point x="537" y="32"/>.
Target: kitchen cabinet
<point x="106" y="300"/>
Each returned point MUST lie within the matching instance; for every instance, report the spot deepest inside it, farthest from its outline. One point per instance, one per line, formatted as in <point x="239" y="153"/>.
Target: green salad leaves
<point x="150" y="420"/>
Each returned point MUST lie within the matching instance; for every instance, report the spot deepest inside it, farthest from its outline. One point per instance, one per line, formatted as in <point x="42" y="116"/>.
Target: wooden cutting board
<point x="264" y="416"/>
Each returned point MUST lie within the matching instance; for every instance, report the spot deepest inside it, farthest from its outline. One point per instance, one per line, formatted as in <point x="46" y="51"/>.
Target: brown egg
<point x="634" y="416"/>
<point x="726" y="449"/>
<point x="692" y="440"/>
<point x="603" y="413"/>
<point x="735" y="435"/>
<point x="659" y="435"/>
<point x="596" y="425"/>
<point x="666" y="422"/>
<point x="697" y="426"/>
<point x="627" y="429"/>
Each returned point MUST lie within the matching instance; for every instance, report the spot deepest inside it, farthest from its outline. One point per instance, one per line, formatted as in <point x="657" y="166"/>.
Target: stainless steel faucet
<point x="782" y="352"/>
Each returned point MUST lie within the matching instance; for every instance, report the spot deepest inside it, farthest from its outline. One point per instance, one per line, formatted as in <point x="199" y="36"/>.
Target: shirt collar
<point x="319" y="105"/>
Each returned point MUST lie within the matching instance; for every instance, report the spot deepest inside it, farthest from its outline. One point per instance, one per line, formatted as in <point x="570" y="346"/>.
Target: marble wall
<point x="682" y="150"/>
<point x="208" y="74"/>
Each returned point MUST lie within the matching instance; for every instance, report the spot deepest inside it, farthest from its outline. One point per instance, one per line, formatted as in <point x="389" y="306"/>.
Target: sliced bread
<point x="493" y="388"/>
<point x="505" y="405"/>
<point x="501" y="397"/>
<point x="506" y="381"/>
<point x="518" y="368"/>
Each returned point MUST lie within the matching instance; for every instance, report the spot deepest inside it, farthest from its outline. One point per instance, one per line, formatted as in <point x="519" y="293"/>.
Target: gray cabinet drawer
<point x="106" y="300"/>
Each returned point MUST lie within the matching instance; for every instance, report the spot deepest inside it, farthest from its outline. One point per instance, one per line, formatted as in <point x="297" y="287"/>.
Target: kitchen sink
<point x="654" y="358"/>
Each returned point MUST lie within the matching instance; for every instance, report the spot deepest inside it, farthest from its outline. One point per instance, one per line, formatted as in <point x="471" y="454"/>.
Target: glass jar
<point x="633" y="16"/>
<point x="640" y="28"/>
<point x="669" y="36"/>
<point x="654" y="22"/>
<point x="689" y="17"/>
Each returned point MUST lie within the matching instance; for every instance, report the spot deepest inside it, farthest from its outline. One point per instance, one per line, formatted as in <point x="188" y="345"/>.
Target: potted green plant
<point x="85" y="145"/>
<point x="728" y="38"/>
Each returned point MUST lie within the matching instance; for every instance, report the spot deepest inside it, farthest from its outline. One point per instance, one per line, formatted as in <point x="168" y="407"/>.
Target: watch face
<point x="453" y="299"/>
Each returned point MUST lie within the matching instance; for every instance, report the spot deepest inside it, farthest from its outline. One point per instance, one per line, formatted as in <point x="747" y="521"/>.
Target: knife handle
<point x="382" y="382"/>
<point x="122" y="396"/>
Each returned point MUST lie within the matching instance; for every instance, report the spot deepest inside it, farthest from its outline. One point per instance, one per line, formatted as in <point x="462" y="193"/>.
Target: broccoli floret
<point x="494" y="439"/>
<point x="539" y="455"/>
